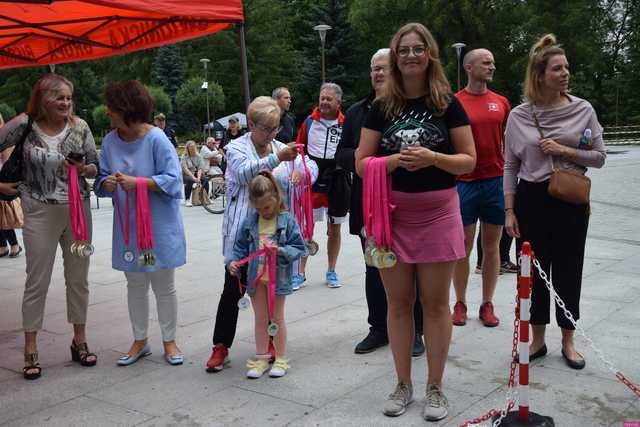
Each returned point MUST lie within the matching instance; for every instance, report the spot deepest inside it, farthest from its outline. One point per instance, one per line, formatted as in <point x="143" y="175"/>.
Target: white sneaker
<point x="279" y="368"/>
<point x="436" y="406"/>
<point x="188" y="203"/>
<point x="398" y="401"/>
<point x="257" y="367"/>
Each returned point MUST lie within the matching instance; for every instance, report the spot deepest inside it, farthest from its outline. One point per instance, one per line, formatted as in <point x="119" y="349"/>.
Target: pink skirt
<point x="427" y="227"/>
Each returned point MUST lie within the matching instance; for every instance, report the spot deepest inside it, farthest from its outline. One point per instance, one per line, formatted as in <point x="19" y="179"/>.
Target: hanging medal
<point x="128" y="254"/>
<point x="81" y="246"/>
<point x="377" y="214"/>
<point x="144" y="223"/>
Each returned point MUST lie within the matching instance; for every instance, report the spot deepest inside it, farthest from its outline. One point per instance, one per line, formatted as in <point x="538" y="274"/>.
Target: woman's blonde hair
<point x="541" y="52"/>
<point x="264" y="111"/>
<point x="439" y="90"/>
<point x="44" y="92"/>
<point x="189" y="144"/>
<point x="264" y="184"/>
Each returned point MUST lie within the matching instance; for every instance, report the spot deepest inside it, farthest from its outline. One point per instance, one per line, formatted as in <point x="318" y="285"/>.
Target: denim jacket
<point x="290" y="243"/>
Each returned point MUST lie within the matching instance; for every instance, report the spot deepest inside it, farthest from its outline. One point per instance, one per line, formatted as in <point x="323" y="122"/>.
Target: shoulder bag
<point x="566" y="185"/>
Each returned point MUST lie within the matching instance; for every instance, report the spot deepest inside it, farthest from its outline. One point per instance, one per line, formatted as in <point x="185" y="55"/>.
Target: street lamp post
<point x="322" y="31"/>
<point x="458" y="47"/>
<point x="205" y="87"/>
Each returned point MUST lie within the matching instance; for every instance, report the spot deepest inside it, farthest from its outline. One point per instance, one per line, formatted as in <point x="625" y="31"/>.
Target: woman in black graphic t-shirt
<point x="424" y="133"/>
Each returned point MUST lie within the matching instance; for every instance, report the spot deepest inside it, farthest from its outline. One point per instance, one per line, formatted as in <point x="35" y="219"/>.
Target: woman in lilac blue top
<point x="136" y="149"/>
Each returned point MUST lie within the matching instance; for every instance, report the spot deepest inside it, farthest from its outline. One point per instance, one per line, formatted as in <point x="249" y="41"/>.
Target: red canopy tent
<point x="41" y="32"/>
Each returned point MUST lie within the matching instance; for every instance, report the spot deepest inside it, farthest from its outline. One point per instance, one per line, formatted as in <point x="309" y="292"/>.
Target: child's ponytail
<point x="265" y="184"/>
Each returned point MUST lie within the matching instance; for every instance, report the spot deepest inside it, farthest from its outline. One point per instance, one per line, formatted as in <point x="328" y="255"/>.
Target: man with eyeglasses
<point x="320" y="134"/>
<point x="345" y="157"/>
<point x="287" y="132"/>
<point x="481" y="194"/>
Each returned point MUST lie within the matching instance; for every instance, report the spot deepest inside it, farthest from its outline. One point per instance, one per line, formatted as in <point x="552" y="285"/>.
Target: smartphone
<point x="75" y="157"/>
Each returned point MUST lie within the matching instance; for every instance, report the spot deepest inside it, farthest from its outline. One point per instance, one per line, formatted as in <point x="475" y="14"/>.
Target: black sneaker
<point x="374" y="340"/>
<point x="508" y="267"/>
<point x="418" y="346"/>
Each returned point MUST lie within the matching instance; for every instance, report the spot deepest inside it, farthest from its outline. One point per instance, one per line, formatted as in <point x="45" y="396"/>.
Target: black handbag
<point x="13" y="169"/>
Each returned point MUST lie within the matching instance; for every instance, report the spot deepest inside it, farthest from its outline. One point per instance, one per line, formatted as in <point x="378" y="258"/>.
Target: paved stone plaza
<point x="328" y="385"/>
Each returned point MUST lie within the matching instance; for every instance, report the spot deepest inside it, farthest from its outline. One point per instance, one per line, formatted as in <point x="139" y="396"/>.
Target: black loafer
<point x="574" y="364"/>
<point x="418" y="346"/>
<point x="372" y="341"/>
<point x="542" y="351"/>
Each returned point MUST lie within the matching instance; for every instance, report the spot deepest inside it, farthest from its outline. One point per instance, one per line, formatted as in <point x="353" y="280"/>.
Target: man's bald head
<point x="474" y="55"/>
<point x="479" y="66"/>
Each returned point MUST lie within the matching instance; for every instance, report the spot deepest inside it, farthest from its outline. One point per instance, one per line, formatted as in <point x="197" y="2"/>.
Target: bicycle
<point x="215" y="201"/>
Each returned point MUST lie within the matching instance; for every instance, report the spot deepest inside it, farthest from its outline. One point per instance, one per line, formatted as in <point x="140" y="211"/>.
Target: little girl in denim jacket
<point x="269" y="224"/>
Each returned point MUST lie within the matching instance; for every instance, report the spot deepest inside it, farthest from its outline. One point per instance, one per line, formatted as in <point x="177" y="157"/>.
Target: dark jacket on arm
<point x="345" y="157"/>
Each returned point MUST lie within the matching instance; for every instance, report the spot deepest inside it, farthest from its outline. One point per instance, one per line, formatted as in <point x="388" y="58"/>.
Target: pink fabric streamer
<point x="302" y="204"/>
<point x="76" y="208"/>
<point x="270" y="254"/>
<point x="376" y="202"/>
<point x="144" y="224"/>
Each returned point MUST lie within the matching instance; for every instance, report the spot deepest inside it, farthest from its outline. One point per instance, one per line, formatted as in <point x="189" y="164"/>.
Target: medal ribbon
<point x="376" y="201"/>
<point x="270" y="253"/>
<point x="76" y="208"/>
<point x="302" y="204"/>
<point x="144" y="224"/>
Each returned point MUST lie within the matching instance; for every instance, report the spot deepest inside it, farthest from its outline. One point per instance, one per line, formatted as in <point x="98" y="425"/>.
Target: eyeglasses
<point x="267" y="130"/>
<point x="378" y="69"/>
<point x="404" y="51"/>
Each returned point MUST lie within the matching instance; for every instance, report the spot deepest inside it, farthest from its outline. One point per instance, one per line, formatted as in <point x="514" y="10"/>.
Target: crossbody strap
<point x="537" y="123"/>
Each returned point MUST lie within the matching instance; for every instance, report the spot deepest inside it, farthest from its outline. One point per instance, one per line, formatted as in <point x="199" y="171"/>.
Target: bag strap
<point x="537" y="123"/>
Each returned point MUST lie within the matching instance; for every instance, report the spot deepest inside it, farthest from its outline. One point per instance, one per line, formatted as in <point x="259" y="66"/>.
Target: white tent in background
<point x="224" y="121"/>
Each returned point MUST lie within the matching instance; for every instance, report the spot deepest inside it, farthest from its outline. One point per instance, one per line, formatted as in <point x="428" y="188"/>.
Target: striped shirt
<point x="243" y="164"/>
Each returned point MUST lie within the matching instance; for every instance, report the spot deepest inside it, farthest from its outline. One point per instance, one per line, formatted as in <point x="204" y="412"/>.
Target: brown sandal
<point x="80" y="353"/>
<point x="32" y="369"/>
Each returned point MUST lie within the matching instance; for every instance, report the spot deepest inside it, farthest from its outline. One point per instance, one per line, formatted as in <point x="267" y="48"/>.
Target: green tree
<point x="341" y="64"/>
<point x="7" y="112"/>
<point x="167" y="70"/>
<point x="192" y="101"/>
<point x="161" y="101"/>
<point x="101" y="121"/>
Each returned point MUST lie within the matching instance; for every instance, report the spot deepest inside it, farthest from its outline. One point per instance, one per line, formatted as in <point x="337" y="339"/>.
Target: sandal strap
<point x="31" y="360"/>
<point x="83" y="350"/>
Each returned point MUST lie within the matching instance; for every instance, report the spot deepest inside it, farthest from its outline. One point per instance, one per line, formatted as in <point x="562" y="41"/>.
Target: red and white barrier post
<point x="524" y="293"/>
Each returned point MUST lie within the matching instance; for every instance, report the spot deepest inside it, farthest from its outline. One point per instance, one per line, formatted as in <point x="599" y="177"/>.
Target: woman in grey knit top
<point x="567" y="135"/>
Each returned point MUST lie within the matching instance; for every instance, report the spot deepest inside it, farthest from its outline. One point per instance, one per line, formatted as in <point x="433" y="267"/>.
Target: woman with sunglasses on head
<point x="423" y="132"/>
<point x="552" y="129"/>
<point x="54" y="139"/>
<point x="247" y="155"/>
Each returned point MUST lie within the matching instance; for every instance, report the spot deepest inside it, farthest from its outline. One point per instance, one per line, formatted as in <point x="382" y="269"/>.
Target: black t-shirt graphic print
<point x="418" y="124"/>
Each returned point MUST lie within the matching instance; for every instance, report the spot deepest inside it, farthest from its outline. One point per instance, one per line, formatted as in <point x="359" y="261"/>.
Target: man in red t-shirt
<point x="481" y="195"/>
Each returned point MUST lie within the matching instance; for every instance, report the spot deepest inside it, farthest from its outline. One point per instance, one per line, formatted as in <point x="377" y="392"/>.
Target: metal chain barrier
<point x="607" y="364"/>
<point x="512" y="391"/>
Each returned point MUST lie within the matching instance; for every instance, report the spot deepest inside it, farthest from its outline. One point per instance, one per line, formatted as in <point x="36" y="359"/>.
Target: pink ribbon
<point x="144" y="224"/>
<point x="376" y="202"/>
<point x="302" y="204"/>
<point x="76" y="208"/>
<point x="270" y="253"/>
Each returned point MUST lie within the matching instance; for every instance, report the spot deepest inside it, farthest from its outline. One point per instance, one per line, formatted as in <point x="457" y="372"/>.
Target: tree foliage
<point x="192" y="100"/>
<point x="101" y="121"/>
<point x="7" y="112"/>
<point x="601" y="37"/>
<point x="161" y="101"/>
